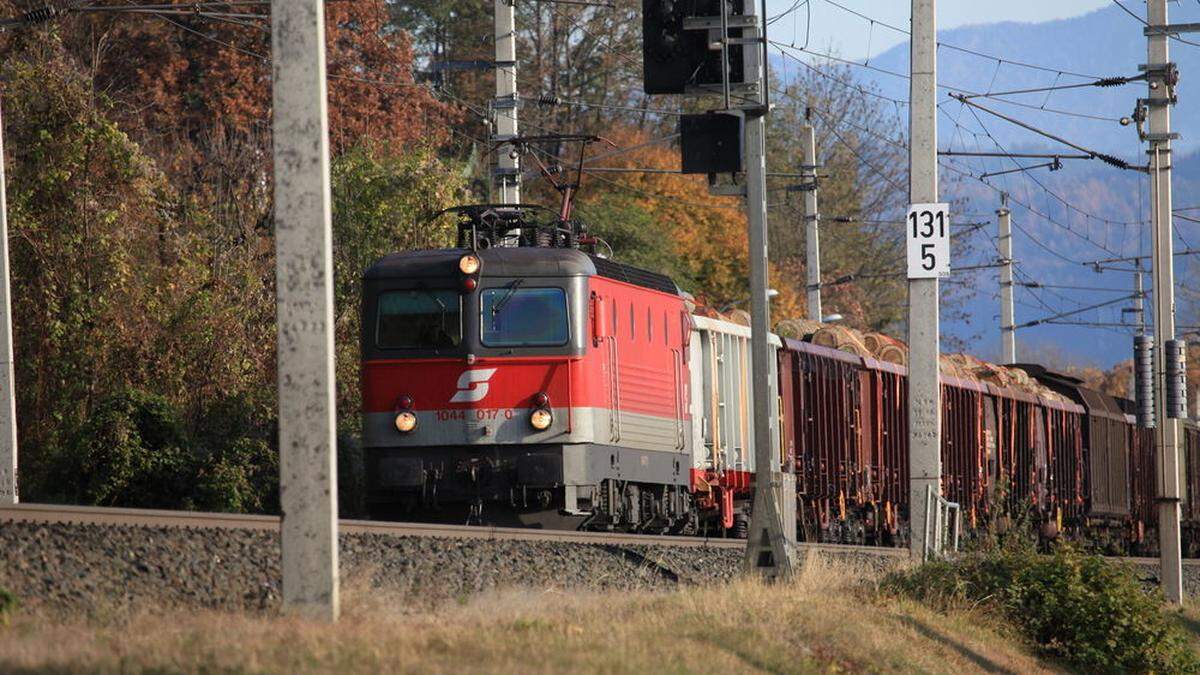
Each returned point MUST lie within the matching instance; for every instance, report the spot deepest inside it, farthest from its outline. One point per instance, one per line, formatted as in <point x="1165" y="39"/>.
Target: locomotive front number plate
<point x="928" y="232"/>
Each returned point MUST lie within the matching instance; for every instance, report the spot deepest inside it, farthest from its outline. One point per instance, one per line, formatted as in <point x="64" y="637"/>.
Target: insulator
<point x="40" y="15"/>
<point x="1175" y="374"/>
<point x="548" y="101"/>
<point x="1112" y="161"/>
<point x="1143" y="379"/>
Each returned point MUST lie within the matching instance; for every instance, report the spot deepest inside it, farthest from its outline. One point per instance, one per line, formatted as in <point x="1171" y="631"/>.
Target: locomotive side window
<point x="419" y="319"/>
<point x="524" y="317"/>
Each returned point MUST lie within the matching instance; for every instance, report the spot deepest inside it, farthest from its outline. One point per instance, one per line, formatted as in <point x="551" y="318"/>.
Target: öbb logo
<point x="473" y="385"/>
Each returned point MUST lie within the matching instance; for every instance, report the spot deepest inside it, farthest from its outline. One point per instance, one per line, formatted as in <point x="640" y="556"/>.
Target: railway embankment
<point x="73" y="566"/>
<point x="232" y="563"/>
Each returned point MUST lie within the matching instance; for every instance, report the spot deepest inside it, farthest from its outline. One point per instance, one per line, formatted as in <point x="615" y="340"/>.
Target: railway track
<point x="53" y="513"/>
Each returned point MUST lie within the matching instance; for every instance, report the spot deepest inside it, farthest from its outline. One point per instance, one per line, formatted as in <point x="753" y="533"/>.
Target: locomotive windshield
<point x="524" y="317"/>
<point x="419" y="319"/>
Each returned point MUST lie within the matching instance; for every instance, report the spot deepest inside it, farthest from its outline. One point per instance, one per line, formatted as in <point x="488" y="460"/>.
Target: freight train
<point x="520" y="378"/>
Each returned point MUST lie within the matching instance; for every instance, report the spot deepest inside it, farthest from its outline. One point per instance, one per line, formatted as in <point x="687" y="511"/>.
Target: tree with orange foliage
<point x="670" y="222"/>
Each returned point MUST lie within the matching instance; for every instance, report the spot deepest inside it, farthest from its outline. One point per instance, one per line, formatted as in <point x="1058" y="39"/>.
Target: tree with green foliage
<point x="384" y="200"/>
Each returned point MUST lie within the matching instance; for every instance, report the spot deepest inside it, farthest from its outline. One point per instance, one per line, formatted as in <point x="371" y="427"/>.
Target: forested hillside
<point x="139" y="177"/>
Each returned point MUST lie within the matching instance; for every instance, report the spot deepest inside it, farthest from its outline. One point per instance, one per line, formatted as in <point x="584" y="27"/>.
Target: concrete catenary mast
<point x="924" y="391"/>
<point x="304" y="304"/>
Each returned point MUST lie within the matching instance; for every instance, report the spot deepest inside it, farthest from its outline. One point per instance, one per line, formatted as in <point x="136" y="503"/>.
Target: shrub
<point x="129" y="452"/>
<point x="242" y="477"/>
<point x="1077" y="607"/>
<point x="8" y="605"/>
<point x="136" y="451"/>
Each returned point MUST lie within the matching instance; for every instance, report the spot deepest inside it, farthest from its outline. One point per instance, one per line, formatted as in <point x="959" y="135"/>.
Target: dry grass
<point x="1189" y="618"/>
<point x="824" y="621"/>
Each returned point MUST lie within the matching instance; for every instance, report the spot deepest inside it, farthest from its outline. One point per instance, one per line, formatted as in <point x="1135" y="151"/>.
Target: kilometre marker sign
<point x="928" y="234"/>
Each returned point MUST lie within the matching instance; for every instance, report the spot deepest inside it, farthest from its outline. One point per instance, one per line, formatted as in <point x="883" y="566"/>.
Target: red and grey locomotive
<point x="519" y="377"/>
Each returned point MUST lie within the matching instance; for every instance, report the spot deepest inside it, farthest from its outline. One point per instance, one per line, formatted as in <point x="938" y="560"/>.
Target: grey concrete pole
<point x="812" y="221"/>
<point x="768" y="551"/>
<point x="1139" y="299"/>
<point x="1139" y="310"/>
<point x="924" y="391"/>
<point x="9" y="487"/>
<point x="1008" y="330"/>
<point x="506" y="177"/>
<point x="1167" y="430"/>
<point x="304" y="304"/>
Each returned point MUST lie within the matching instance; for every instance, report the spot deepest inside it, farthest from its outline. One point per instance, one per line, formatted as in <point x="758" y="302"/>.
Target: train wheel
<point x="741" y="526"/>
<point x="686" y="526"/>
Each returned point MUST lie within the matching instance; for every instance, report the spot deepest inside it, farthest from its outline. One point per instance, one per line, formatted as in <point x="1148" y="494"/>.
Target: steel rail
<point x="98" y="515"/>
<point x="103" y="515"/>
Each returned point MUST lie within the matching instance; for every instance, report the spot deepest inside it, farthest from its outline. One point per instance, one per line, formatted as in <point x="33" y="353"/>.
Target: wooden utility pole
<point x="924" y="390"/>
<point x="304" y="304"/>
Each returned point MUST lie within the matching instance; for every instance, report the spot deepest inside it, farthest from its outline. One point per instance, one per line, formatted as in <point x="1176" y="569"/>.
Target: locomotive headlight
<point x="541" y="419"/>
<point x="406" y="421"/>
<point x="468" y="264"/>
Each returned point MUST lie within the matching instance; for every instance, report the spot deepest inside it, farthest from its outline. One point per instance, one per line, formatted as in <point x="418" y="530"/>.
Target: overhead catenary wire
<point x="1072" y="312"/>
<point x="973" y="52"/>
<point x="953" y="88"/>
<point x="830" y="123"/>
<point x="904" y="146"/>
<point x="949" y="165"/>
<point x="1104" y="157"/>
<point x="1062" y="200"/>
<point x="1147" y="24"/>
<point x="630" y="108"/>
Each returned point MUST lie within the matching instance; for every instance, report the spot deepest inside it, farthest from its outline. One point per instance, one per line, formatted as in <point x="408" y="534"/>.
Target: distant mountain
<point x="1104" y="43"/>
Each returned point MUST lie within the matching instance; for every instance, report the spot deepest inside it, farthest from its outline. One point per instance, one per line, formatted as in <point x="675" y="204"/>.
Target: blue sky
<point x="851" y="36"/>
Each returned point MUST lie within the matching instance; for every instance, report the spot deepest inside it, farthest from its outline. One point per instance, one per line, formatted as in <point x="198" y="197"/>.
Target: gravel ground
<point x="102" y="568"/>
<point x="98" y="567"/>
